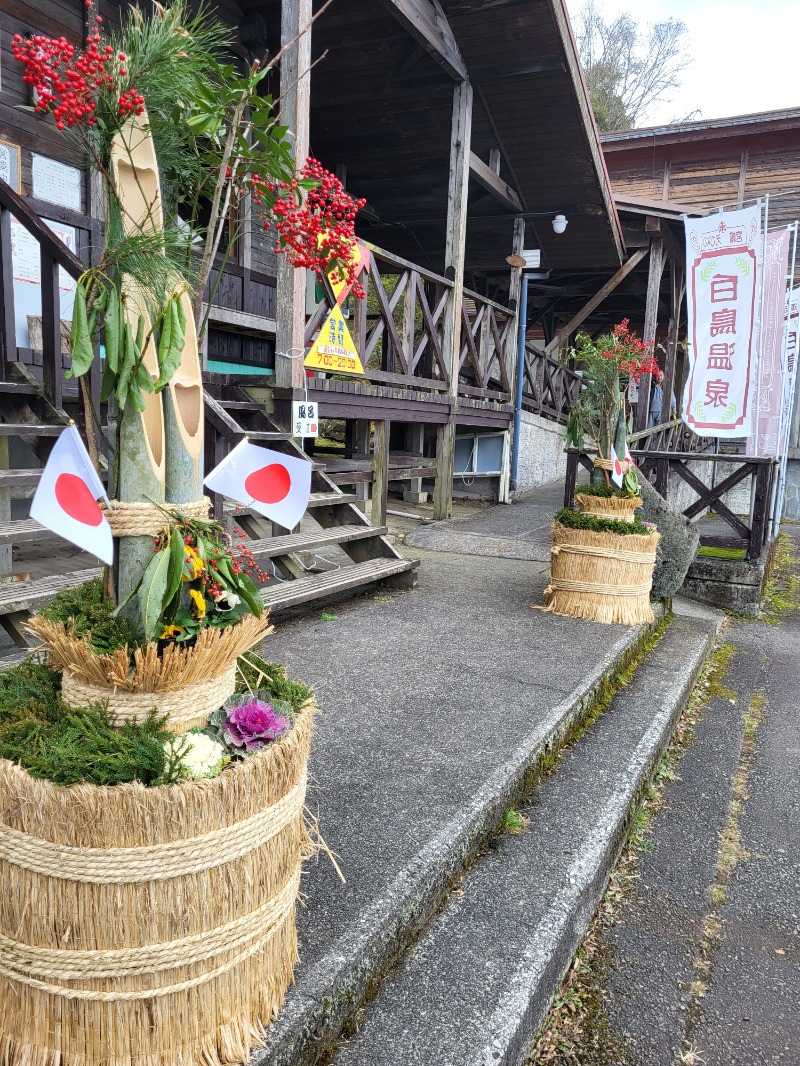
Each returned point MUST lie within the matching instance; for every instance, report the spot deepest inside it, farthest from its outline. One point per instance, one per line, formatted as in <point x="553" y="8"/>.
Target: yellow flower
<point x="170" y="631"/>
<point x="199" y="603"/>
<point x="195" y="563"/>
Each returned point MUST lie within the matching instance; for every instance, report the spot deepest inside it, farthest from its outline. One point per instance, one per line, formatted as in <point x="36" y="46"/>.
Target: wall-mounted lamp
<point x="559" y="223"/>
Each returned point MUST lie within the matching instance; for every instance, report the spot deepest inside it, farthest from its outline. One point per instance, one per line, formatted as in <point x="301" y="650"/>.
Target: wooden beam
<point x="426" y="23"/>
<point x="455" y="251"/>
<point x="295" y="100"/>
<point x="576" y="320"/>
<point x="742" y="178"/>
<point x="498" y="72"/>
<point x="677" y="290"/>
<point x="650" y="326"/>
<point x="380" y="481"/>
<point x="493" y="183"/>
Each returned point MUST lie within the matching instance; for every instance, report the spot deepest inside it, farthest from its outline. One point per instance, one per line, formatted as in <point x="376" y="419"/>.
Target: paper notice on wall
<point x="9" y="164"/>
<point x="27" y="274"/>
<point x="56" y="182"/>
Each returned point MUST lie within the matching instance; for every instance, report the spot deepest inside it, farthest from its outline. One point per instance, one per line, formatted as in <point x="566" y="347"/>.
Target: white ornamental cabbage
<point x="201" y="756"/>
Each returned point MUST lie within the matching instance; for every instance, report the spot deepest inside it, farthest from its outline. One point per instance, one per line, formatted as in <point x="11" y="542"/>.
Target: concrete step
<point x="24" y="531"/>
<point x="416" y="762"/>
<point x="474" y="988"/>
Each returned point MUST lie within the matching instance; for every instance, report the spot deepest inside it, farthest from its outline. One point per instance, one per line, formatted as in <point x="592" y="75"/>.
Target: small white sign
<point x="305" y="421"/>
<point x="56" y="182"/>
<point x="633" y="391"/>
<point x="532" y="257"/>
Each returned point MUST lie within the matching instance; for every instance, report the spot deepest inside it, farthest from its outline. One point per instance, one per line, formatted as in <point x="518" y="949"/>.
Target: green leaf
<point x="108" y="383"/>
<point x="126" y="366"/>
<point x="250" y="594"/>
<point x="175" y="572"/>
<point x="113" y="330"/>
<point x="144" y="379"/>
<point x="152" y="592"/>
<point x="136" y="397"/>
<point x="82" y="351"/>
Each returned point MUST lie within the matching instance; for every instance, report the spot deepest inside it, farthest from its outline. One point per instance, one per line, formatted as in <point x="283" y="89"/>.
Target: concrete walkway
<point x="437" y="702"/>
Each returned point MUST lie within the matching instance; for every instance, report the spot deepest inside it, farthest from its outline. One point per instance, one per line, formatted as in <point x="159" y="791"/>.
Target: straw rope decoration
<point x="185" y="708"/>
<point x="158" y="923"/>
<point x="147" y="520"/>
<point x="600" y="576"/>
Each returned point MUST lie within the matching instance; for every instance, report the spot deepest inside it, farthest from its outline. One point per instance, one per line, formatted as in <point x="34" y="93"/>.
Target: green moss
<point x="782" y="593"/>
<point x="575" y="520"/>
<point x="89" y="610"/>
<point x="604" y="492"/>
<point x="707" y="552"/>
<point x="66" y="746"/>
<point x="256" y="673"/>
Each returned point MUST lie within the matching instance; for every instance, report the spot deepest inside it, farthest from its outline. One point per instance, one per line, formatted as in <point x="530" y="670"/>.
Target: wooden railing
<point x="549" y="388"/>
<point x="674" y="436"/>
<point x="53" y="254"/>
<point x="750" y="532"/>
<point x="486" y="364"/>
<point x="398" y="328"/>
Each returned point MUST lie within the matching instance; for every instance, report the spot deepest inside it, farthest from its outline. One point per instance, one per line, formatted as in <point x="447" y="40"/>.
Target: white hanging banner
<point x="723" y="285"/>
<point x="67" y="495"/>
<point x="792" y="352"/>
<point x="768" y="392"/>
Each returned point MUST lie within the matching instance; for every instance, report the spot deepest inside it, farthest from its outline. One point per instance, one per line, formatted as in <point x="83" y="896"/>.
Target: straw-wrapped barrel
<point x="618" y="508"/>
<point x="602" y="577"/>
<point x="150" y="925"/>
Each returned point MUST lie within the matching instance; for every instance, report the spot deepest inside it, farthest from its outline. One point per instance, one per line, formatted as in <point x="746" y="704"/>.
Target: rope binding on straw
<point x="147" y="519"/>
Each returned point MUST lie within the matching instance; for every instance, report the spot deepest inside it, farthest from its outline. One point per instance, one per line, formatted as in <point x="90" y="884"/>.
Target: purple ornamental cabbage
<point x="252" y="725"/>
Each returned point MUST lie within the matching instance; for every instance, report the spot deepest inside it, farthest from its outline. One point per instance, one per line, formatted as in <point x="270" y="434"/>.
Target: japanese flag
<point x="66" y="499"/>
<point x="276" y="485"/>
<point x="617" y="471"/>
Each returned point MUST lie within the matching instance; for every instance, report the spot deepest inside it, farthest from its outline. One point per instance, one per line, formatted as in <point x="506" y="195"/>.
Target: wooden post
<point x="650" y="325"/>
<point x="461" y="138"/>
<point x="52" y="372"/>
<point x="380" y="481"/>
<point x="295" y="97"/>
<point x="514" y="290"/>
<point x="8" y="331"/>
<point x="5" y="511"/>
<point x="415" y="443"/>
<point x="677" y="290"/>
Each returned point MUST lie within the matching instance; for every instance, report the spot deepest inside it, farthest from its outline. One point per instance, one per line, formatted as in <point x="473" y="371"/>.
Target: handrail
<point x="56" y="249"/>
<point x="406" y="264"/>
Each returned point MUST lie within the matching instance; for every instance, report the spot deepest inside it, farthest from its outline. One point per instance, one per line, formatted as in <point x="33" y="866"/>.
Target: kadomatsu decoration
<point x="172" y="857"/>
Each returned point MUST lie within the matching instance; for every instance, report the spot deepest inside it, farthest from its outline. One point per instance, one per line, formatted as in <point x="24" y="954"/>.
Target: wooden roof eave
<point x="581" y="94"/>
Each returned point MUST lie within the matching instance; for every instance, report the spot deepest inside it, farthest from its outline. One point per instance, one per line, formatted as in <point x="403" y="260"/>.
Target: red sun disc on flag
<point x="76" y="500"/>
<point x="617" y="466"/>
<point x="270" y="484"/>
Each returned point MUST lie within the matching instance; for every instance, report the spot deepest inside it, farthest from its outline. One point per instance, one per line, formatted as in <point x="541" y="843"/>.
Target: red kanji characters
<point x="717" y="392"/>
<point x="719" y="356"/>
<point x="724" y="287"/>
<point x="723" y="322"/>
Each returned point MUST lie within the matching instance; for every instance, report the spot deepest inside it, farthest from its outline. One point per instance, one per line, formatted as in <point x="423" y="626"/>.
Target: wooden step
<point x="316" y="499"/>
<point x="271" y="547"/>
<point x="29" y="429"/>
<point x="24" y="531"/>
<point x="18" y="388"/>
<point x="281" y="596"/>
<point x="13" y="479"/>
<point x="30" y="595"/>
<point x="263" y="434"/>
<point x="241" y="405"/>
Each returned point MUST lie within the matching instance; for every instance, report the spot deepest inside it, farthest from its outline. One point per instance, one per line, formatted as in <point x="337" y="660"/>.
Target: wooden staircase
<point x="335" y="553"/>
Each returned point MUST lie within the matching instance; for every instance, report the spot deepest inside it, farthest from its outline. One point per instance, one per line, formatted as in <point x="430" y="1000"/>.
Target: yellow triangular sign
<point x="333" y="350"/>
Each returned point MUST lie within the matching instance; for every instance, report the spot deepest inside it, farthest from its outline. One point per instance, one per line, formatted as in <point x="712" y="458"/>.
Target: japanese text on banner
<point x="723" y="279"/>
<point x="767" y="380"/>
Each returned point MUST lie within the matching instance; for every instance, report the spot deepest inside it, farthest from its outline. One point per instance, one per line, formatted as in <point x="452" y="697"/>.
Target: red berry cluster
<point x="316" y="230"/>
<point x="245" y="560"/>
<point x="68" y="82"/>
<point x="633" y="355"/>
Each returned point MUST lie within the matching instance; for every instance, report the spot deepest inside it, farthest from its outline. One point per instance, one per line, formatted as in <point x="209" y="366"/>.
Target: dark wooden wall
<point x="713" y="172"/>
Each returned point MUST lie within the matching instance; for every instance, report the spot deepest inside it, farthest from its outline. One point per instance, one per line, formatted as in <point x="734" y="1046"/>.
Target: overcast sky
<point x="746" y="54"/>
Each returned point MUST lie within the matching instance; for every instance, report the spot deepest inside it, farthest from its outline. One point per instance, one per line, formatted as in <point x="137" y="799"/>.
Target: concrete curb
<point x="562" y="927"/>
<point x="333" y="989"/>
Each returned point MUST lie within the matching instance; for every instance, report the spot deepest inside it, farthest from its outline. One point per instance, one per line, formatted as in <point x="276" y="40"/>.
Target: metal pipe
<point x="522" y="323"/>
